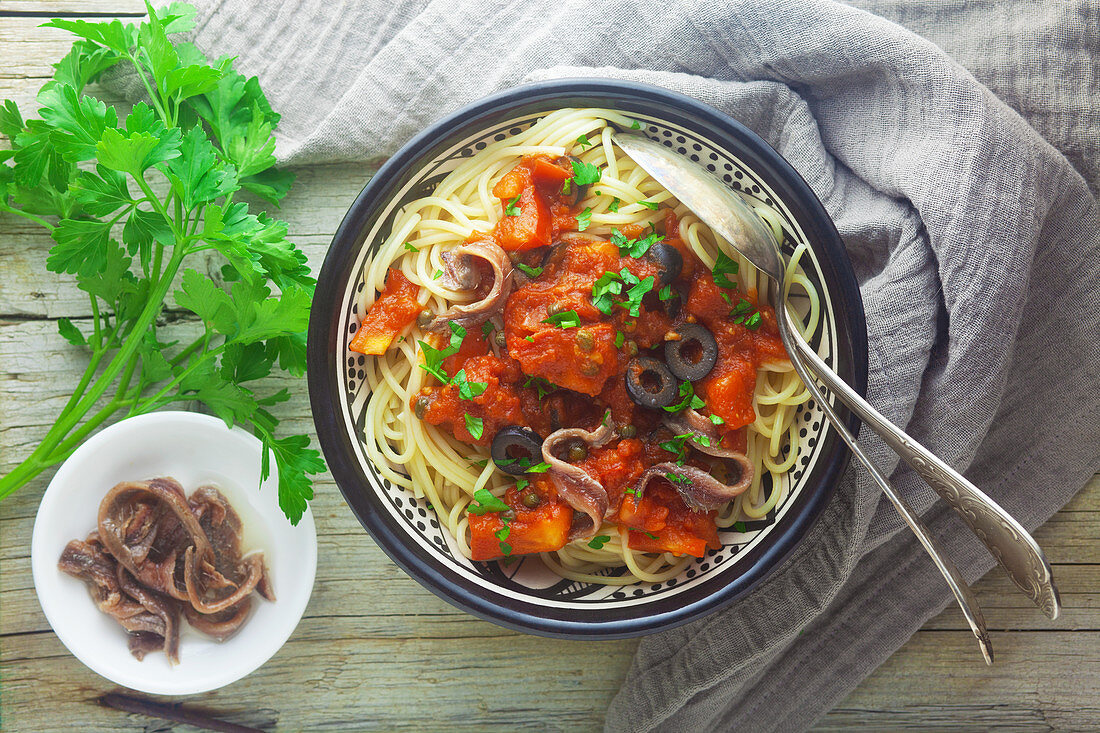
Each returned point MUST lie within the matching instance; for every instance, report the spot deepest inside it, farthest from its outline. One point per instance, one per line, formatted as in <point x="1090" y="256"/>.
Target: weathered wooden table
<point x="377" y="651"/>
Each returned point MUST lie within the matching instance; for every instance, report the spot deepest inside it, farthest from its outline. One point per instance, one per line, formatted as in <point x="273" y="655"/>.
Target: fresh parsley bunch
<point x="92" y="178"/>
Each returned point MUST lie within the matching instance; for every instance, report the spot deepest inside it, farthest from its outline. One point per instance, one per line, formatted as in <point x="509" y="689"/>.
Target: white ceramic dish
<point x="195" y="450"/>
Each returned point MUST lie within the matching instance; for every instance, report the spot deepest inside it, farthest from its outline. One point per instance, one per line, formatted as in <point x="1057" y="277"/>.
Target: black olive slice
<point x="513" y="443"/>
<point x="668" y="259"/>
<point x="650" y="383"/>
<point x="693" y="356"/>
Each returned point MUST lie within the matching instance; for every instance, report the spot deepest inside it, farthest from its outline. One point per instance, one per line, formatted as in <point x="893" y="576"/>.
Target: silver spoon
<point x="1007" y="540"/>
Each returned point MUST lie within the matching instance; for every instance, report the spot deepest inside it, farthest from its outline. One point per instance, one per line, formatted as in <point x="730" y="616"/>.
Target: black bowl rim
<point x="325" y="392"/>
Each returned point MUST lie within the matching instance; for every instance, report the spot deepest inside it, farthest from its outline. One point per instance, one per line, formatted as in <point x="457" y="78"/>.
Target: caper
<point x="424" y="318"/>
<point x="422" y="404"/>
<point x="632" y="348"/>
<point x="531" y="500"/>
<point x="555" y="308"/>
<point x="499" y="338"/>
<point x="577" y="452"/>
<point x="590" y="368"/>
<point x="628" y="431"/>
<point x="585" y="342"/>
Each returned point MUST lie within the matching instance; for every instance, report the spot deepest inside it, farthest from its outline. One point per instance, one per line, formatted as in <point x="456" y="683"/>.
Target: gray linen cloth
<point x="974" y="239"/>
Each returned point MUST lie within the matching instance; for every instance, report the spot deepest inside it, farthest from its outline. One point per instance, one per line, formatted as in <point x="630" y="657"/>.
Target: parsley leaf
<point x="411" y="247"/>
<point x="433" y="357"/>
<point x="585" y="173"/>
<point x="531" y="272"/>
<point x="723" y="268"/>
<point x="620" y="339"/>
<point x="613" y="207"/>
<point x="634" y="247"/>
<point x="541" y="385"/>
<point x="665" y="293"/>
<point x="597" y="543"/>
<point x="652" y="205"/>
<point x="468" y="390"/>
<point x="564" y="319"/>
<point x="608" y="285"/>
<point x="487" y="328"/>
<point x="635" y="125"/>
<point x="739" y="527"/>
<point x="484" y="503"/>
<point x="542" y="467"/>
<point x="512" y="208"/>
<point x="692" y="400"/>
<point x="583" y="141"/>
<point x="638" y="290"/>
<point x="474" y="426"/>
<point x="584" y="219"/>
<point x="754" y="321"/>
<point x="743" y="306"/>
<point x="717" y="420"/>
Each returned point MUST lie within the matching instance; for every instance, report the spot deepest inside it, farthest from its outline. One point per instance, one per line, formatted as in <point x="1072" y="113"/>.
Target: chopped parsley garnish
<point x="437" y="274"/>
<point x="564" y="319"/>
<point x="530" y="338"/>
<point x="635" y="125"/>
<point x="583" y="141"/>
<point x="723" y="268"/>
<point x="717" y="420"/>
<point x="609" y="284"/>
<point x="531" y="272"/>
<point x="585" y="173"/>
<point x="481" y="464"/>
<point x="637" y="291"/>
<point x="739" y="527"/>
<point x="487" y="328"/>
<point x="543" y="386"/>
<point x="743" y="306"/>
<point x="619" y="339"/>
<point x="433" y="357"/>
<point x="468" y="390"/>
<point x="597" y="543"/>
<point x="651" y="536"/>
<point x="665" y="293"/>
<point x="474" y="426"/>
<point x="584" y="219"/>
<point x="411" y="247"/>
<point x="676" y="478"/>
<point x="503" y="533"/>
<point x="539" y="467"/>
<point x="484" y="503"/>
<point x="522" y="484"/>
<point x="754" y="321"/>
<point x="512" y="209"/>
<point x="691" y="399"/>
<point x="677" y="446"/>
<point x="614" y="206"/>
<point x="634" y="247"/>
<point x="567" y="186"/>
<point x="653" y="205"/>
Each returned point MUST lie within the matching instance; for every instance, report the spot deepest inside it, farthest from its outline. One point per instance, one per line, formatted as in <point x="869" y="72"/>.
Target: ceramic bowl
<point x="195" y="450"/>
<point x="524" y="595"/>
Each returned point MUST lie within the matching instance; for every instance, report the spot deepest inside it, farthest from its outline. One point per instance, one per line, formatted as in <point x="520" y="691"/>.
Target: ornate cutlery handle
<point x="1011" y="544"/>
<point x="963" y="595"/>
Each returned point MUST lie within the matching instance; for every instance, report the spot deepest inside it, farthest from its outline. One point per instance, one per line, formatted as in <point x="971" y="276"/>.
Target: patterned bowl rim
<point x="325" y="328"/>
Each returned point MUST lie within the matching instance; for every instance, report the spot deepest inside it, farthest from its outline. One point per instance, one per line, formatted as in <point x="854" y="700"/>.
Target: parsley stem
<point x="152" y="95"/>
<point x="96" y="318"/>
<point x="27" y="215"/>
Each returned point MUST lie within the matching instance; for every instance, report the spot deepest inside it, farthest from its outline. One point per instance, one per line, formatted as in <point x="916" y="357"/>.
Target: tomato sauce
<point x="563" y="360"/>
<point x="392" y="313"/>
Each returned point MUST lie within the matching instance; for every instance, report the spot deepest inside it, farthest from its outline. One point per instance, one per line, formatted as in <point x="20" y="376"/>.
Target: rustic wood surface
<point x="374" y="649"/>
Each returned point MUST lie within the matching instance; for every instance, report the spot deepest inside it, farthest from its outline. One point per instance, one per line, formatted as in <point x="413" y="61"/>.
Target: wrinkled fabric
<point x="974" y="240"/>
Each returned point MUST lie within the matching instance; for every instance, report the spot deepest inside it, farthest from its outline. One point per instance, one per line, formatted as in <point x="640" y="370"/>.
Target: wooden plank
<point x="73" y="7"/>
<point x="1041" y="682"/>
<point x="336" y="675"/>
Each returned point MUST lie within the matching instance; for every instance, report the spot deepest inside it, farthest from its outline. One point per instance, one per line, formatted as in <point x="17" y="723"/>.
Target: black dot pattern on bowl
<point x="418" y="519"/>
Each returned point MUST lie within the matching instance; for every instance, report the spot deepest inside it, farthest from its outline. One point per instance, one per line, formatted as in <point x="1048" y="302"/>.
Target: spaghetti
<point x="465" y="346"/>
